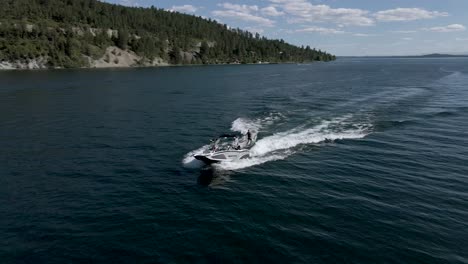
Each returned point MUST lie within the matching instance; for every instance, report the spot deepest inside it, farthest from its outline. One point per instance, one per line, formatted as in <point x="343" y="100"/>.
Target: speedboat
<point x="228" y="148"/>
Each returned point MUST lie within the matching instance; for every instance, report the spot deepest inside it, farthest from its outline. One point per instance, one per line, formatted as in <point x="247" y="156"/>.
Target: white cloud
<point x="239" y="8"/>
<point x="404" y="31"/>
<point x="303" y="11"/>
<point x="271" y="11"/>
<point x="321" y="30"/>
<point x="407" y="39"/>
<point x="244" y="13"/>
<point x="129" y="3"/>
<point x="184" y="8"/>
<point x="407" y="14"/>
<point x="449" y="28"/>
<point x="363" y="35"/>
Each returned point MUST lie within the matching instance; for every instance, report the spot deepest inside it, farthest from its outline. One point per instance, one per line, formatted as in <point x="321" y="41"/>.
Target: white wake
<point x="280" y="145"/>
<point x="190" y="162"/>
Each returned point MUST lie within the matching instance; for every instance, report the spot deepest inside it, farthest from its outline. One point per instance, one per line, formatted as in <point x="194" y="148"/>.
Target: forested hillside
<point x="71" y="33"/>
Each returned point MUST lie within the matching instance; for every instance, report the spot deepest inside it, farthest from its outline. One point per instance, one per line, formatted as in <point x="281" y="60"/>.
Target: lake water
<point x="357" y="161"/>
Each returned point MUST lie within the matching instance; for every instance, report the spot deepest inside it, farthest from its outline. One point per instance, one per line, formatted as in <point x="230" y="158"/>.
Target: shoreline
<point x="149" y="66"/>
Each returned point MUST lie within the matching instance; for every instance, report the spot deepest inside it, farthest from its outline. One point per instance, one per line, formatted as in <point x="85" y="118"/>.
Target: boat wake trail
<point x="280" y="145"/>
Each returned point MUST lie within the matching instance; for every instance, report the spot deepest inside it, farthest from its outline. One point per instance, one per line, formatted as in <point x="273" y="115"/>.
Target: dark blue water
<point x="358" y="161"/>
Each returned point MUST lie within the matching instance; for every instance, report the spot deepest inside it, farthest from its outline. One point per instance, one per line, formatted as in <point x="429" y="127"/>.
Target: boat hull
<point x="223" y="156"/>
<point x="206" y="159"/>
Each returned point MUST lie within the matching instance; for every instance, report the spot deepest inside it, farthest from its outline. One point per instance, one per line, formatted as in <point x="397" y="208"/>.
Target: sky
<point x="341" y="27"/>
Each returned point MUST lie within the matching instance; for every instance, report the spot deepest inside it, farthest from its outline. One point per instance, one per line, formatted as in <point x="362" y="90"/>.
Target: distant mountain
<point x="433" y="55"/>
<point x="438" y="55"/>
<point x="90" y="33"/>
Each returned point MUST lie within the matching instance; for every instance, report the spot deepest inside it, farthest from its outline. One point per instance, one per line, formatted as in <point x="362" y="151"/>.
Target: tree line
<point x="65" y="30"/>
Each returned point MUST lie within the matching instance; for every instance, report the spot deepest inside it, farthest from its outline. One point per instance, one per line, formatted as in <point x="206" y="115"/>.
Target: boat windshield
<point x="225" y="143"/>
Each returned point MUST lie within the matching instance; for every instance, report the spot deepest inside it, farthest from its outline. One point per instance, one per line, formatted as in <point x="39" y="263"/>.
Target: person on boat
<point x="236" y="144"/>
<point x="249" y="137"/>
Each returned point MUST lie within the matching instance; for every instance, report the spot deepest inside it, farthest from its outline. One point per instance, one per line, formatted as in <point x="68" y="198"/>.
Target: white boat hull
<point x="223" y="156"/>
<point x="228" y="148"/>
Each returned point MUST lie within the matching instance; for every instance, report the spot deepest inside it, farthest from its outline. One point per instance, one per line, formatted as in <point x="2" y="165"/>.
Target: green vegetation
<point x="65" y="31"/>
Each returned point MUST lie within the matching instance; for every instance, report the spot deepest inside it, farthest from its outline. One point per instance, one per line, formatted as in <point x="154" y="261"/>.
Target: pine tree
<point x="122" y="39"/>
